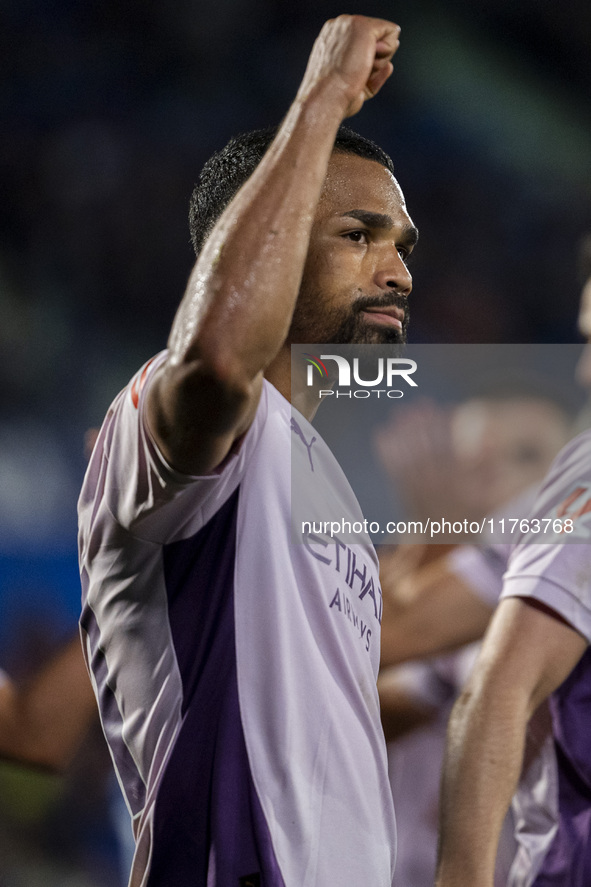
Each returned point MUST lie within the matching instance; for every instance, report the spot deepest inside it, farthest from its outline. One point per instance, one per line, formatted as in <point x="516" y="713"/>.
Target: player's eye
<point x="357" y="236"/>
<point x="405" y="254"/>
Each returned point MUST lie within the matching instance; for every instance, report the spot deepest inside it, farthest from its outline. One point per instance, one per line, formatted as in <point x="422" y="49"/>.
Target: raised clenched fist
<point x="351" y="58"/>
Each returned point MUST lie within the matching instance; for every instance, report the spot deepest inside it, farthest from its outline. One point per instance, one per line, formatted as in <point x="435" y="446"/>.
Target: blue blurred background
<point x="107" y="112"/>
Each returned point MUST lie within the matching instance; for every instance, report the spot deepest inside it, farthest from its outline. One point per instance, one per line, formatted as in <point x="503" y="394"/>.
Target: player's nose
<point x="392" y="274"/>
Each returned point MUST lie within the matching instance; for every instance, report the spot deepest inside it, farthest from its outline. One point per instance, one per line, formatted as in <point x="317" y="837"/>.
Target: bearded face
<point x="356" y="283"/>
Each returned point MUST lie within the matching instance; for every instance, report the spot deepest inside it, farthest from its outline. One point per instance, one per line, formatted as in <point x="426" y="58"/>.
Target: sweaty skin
<point x="486" y="734"/>
<point x="233" y="323"/>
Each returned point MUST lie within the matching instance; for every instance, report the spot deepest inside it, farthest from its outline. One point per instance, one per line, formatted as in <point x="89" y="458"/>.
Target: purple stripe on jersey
<point x="209" y="828"/>
<point x="135" y="789"/>
<point x="568" y="861"/>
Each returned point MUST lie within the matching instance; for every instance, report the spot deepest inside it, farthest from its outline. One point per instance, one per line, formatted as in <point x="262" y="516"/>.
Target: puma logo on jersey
<point x="295" y="427"/>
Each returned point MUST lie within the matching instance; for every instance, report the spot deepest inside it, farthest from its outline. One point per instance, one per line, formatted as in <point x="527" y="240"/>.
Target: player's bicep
<point x="529" y="649"/>
<point x="196" y="417"/>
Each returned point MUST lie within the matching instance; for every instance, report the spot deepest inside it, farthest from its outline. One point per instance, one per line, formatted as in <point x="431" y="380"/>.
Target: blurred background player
<point x="444" y="600"/>
<point x="54" y="761"/>
<point x="468" y="461"/>
<point x="49" y="722"/>
<point x="536" y="648"/>
<point x="44" y="719"/>
<point x="434" y="607"/>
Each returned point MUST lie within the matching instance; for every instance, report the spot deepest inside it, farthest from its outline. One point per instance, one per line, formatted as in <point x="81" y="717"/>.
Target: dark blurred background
<point x="107" y="112"/>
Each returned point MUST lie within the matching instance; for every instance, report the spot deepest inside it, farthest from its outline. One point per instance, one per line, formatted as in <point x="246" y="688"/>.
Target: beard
<point x="340" y="326"/>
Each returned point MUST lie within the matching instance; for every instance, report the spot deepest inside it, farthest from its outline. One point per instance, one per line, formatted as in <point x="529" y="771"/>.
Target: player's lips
<point x="392" y="315"/>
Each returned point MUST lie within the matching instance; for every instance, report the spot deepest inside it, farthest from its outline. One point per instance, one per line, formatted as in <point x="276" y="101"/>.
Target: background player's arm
<point x="526" y="654"/>
<point x="44" y="720"/>
<point x="240" y="298"/>
<point x="428" y="610"/>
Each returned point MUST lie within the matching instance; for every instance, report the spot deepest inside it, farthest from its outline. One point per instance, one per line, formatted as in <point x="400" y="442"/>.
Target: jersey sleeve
<point x="482" y="566"/>
<point x="558" y="572"/>
<point x="129" y="480"/>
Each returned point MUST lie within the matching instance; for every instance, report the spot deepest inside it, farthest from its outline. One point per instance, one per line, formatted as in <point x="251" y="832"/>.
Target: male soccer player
<point x="451" y="601"/>
<point x="536" y="645"/>
<point x="240" y="707"/>
<point x="433" y="605"/>
<point x="501" y="443"/>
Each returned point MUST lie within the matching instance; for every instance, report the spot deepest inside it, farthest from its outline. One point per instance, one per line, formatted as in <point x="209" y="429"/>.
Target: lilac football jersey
<point x="235" y="667"/>
<point x="483" y="566"/>
<point x="415" y="759"/>
<point x="553" y="804"/>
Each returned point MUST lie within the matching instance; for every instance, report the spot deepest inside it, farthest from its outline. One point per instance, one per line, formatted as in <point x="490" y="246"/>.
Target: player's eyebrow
<point x="408" y="236"/>
<point x="372" y="220"/>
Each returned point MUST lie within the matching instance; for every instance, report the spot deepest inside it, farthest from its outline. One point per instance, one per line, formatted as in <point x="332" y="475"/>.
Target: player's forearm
<point x="429" y="611"/>
<point x="240" y="298"/>
<point x="424" y="629"/>
<point x="482" y="764"/>
<point x="526" y="655"/>
<point x="241" y="295"/>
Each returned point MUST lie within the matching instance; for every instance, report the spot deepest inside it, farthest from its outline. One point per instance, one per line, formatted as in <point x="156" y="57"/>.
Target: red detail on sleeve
<point x="138" y="383"/>
<point x="563" y="509"/>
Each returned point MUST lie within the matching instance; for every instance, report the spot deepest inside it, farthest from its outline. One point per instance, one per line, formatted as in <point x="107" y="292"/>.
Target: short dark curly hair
<point x="227" y="170"/>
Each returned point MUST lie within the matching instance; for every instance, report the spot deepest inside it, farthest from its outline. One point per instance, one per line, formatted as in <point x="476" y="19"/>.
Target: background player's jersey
<point x="558" y="572"/>
<point x="483" y="566"/>
<point x="553" y="804"/>
<point x="235" y="668"/>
